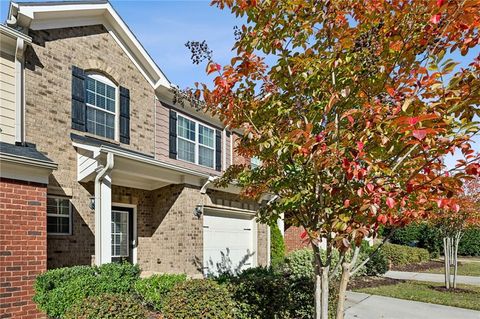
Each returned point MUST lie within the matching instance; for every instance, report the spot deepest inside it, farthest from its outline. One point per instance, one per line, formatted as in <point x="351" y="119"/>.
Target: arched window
<point x="101" y="98"/>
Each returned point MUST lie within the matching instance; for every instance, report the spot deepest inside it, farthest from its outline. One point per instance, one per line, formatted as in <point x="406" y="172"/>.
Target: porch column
<point x="106" y="219"/>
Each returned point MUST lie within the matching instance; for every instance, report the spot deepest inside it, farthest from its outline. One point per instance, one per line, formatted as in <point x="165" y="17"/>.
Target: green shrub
<point x="198" y="298"/>
<point x="58" y="289"/>
<point x="419" y="235"/>
<point x="114" y="306"/>
<point x="277" y="245"/>
<point x="153" y="290"/>
<point x="378" y="263"/>
<point x="299" y="263"/>
<point x="399" y="255"/>
<point x="470" y="243"/>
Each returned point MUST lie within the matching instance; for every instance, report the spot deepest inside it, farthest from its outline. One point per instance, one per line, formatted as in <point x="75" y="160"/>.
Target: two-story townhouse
<point x="134" y="172"/>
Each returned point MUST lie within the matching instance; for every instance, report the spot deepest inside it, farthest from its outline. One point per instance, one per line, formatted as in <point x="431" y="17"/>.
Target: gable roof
<point x="63" y="14"/>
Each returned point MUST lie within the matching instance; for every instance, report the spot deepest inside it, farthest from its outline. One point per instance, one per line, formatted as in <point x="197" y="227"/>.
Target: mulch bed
<point x="371" y="282"/>
<point x="432" y="264"/>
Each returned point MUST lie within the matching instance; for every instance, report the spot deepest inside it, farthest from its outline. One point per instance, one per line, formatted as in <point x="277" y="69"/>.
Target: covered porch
<point x="166" y="218"/>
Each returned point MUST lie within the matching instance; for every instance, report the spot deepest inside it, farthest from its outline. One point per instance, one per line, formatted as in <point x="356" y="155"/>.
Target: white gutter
<point x="27" y="161"/>
<point x="98" y="207"/>
<point x="211" y="179"/>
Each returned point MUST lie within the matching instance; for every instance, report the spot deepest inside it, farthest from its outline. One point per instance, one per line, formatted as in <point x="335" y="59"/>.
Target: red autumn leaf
<point x="382" y="219"/>
<point x="419" y="134"/>
<point x="435" y="19"/>
<point x="390" y="202"/>
<point x="370" y="187"/>
<point x="303" y="234"/>
<point x="350" y="119"/>
<point x="346" y="203"/>
<point x="413" y="120"/>
<point x="212" y="67"/>
<point x="440" y="2"/>
<point x="360" y="146"/>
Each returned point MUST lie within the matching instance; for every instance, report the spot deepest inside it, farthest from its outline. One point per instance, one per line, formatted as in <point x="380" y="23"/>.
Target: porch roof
<point x="132" y="169"/>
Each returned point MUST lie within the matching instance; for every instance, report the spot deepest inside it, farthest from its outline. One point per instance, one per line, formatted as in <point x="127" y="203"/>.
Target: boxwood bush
<point x="399" y="255"/>
<point x="114" y="306"/>
<point x="277" y="246"/>
<point x="58" y="289"/>
<point x="199" y="298"/>
<point x="470" y="243"/>
<point x="154" y="289"/>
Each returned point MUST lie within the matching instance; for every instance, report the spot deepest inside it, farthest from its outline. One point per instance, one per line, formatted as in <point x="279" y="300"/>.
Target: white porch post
<point x="106" y="220"/>
<point x="103" y="213"/>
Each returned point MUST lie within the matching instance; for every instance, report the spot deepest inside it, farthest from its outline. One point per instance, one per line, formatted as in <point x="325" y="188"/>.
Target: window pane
<point x="90" y="84"/>
<point x="111" y="92"/>
<point x="58" y="215"/>
<point x="186" y="128"/>
<point x="100" y="102"/>
<point x="110" y="105"/>
<point x="205" y="156"/>
<point x="205" y="136"/>
<point x="186" y="150"/>
<point x="101" y="88"/>
<point x="90" y="98"/>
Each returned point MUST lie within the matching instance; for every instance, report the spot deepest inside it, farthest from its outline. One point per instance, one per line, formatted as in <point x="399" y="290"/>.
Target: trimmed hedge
<point x="378" y="263"/>
<point x="419" y="235"/>
<point x="277" y="246"/>
<point x="114" y="306"/>
<point x="470" y="243"/>
<point x="399" y="255"/>
<point x="264" y="293"/>
<point x="199" y="298"/>
<point x="58" y="289"/>
<point x="154" y="289"/>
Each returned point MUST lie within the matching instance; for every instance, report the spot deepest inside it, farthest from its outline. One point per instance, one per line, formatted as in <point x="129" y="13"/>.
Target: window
<point x="196" y="142"/>
<point x="59" y="216"/>
<point x="119" y="233"/>
<point x="101" y="106"/>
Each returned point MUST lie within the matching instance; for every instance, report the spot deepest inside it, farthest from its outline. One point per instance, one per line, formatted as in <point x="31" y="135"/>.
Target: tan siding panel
<point x="7" y="98"/>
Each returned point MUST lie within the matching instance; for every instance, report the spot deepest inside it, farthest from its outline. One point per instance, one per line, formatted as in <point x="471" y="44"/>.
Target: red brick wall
<point x="23" y="246"/>
<point x="293" y="241"/>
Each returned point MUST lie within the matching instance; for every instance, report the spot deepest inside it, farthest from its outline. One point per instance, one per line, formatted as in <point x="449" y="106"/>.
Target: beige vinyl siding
<point x="7" y="98"/>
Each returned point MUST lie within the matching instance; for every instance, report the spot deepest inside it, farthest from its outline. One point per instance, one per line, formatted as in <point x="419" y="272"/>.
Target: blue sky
<point x="163" y="27"/>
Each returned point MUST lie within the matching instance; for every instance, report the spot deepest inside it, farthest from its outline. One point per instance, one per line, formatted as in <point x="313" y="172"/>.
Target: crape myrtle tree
<point x="353" y="118"/>
<point x="453" y="220"/>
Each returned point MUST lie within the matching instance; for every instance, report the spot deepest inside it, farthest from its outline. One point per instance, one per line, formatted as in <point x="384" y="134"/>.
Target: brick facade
<point x="293" y="239"/>
<point x="23" y="246"/>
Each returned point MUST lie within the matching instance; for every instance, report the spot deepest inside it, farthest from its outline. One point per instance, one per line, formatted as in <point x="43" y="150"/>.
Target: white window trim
<point x="196" y="141"/>
<point x="107" y="81"/>
<point x="60" y="215"/>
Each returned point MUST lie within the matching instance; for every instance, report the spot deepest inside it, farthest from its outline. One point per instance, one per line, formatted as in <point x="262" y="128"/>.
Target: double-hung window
<point x="101" y="99"/>
<point x="196" y="142"/>
<point x="59" y="216"/>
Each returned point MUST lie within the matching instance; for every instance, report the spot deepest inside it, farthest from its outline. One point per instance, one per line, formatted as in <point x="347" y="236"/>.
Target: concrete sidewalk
<point x="468" y="280"/>
<point x="364" y="306"/>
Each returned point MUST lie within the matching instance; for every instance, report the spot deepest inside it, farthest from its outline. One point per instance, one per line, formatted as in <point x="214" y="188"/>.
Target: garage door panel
<point x="228" y="242"/>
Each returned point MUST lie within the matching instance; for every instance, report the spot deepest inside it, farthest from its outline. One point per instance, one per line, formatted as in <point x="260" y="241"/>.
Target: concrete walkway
<point x="468" y="280"/>
<point x="364" y="306"/>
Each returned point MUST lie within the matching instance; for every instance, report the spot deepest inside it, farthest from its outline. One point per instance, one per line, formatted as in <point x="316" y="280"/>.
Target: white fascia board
<point x="56" y="15"/>
<point x="27" y="161"/>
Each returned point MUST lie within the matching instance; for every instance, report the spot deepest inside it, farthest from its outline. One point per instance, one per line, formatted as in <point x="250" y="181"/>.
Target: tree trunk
<point x="446" y="262"/>
<point x="342" y="291"/>
<point x="458" y="235"/>
<point x="321" y="285"/>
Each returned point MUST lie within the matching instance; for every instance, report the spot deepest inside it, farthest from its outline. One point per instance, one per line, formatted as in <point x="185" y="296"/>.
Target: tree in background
<point x="452" y="224"/>
<point x="353" y="118"/>
<point x="277" y="245"/>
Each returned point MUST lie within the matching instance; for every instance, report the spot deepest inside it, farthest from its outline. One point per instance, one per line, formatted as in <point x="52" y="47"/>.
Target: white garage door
<point x="229" y="242"/>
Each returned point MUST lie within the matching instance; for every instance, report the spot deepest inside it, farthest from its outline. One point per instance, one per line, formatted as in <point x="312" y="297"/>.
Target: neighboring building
<point x="134" y="170"/>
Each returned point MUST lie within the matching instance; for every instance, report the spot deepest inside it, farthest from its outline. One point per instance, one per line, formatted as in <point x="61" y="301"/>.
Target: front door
<point x="122" y="234"/>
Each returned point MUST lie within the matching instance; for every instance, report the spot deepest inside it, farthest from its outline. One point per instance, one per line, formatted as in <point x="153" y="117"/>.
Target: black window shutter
<point x="172" y="134"/>
<point x="79" y="109"/>
<point x="218" y="150"/>
<point x="124" y="115"/>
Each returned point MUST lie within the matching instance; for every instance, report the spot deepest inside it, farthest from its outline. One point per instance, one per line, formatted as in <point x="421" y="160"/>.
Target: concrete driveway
<point x="364" y="306"/>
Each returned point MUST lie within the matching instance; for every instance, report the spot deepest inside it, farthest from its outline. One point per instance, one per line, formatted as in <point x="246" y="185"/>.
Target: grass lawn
<point x="465" y="269"/>
<point x="464" y="297"/>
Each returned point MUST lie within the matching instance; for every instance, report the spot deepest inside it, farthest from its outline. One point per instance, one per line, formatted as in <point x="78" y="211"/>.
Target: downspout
<point x="19" y="92"/>
<point x="211" y="179"/>
<point x="98" y="206"/>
